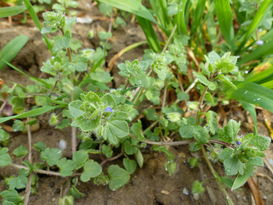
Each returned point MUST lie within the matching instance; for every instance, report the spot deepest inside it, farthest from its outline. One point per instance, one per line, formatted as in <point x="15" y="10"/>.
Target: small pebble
<point x="62" y="144"/>
<point x="186" y="191"/>
<point x="196" y="196"/>
<point x="84" y="20"/>
<point x="165" y="192"/>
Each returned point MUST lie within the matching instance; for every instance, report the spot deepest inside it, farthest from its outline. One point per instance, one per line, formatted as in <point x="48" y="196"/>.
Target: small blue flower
<point x="108" y="109"/>
<point x="238" y="142"/>
<point x="260" y="42"/>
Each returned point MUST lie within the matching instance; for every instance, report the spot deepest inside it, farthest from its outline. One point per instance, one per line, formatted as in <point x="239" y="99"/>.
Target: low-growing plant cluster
<point x="168" y="97"/>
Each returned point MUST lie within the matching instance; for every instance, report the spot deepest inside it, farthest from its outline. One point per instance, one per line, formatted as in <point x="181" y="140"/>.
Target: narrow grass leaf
<point x="180" y="19"/>
<point x="198" y="12"/>
<point x="150" y="34"/>
<point x="32" y="113"/>
<point x="36" y="21"/>
<point x="131" y="6"/>
<point x="261" y="77"/>
<point x="254" y="94"/>
<point x="264" y="78"/>
<point x="268" y="36"/>
<point x="11" y="11"/>
<point x="268" y="84"/>
<point x="34" y="79"/>
<point x="259" y="52"/>
<point x="32" y="14"/>
<point x="256" y="21"/>
<point x="12" y="49"/>
<point x="224" y="15"/>
<point x="160" y="9"/>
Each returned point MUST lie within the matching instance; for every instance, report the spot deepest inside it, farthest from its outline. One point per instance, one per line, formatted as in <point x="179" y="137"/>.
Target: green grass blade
<point x="159" y="8"/>
<point x="268" y="84"/>
<point x="131" y="6"/>
<point x="36" y="21"/>
<point x="32" y="14"/>
<point x="150" y="34"/>
<point x="254" y="94"/>
<point x="257" y="53"/>
<point x="11" y="11"/>
<point x="32" y="113"/>
<point x="261" y="77"/>
<point x="34" y="79"/>
<point x="180" y="18"/>
<point x="256" y="21"/>
<point x="268" y="36"/>
<point x="12" y="49"/>
<point x="224" y="15"/>
<point x="196" y="18"/>
<point x="264" y="78"/>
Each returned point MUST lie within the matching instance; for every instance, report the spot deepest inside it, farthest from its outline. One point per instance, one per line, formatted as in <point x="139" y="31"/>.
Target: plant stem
<point x="37" y="22"/>
<point x="123" y="51"/>
<point x="185" y="142"/>
<point x="191" y="86"/>
<point x="55" y="84"/>
<point x="28" y="187"/>
<point x="29" y="136"/>
<point x="164" y="97"/>
<point x="176" y="143"/>
<point x="137" y="95"/>
<point x="28" y="190"/>
<point x="3" y="106"/>
<point x="202" y="99"/>
<point x="111" y="159"/>
<point x="140" y="91"/>
<point x="169" y="39"/>
<point x="150" y="127"/>
<point x="74" y="139"/>
<point x="217" y="178"/>
<point x="201" y="104"/>
<point x="41" y="171"/>
<point x="192" y="56"/>
<point x="221" y="143"/>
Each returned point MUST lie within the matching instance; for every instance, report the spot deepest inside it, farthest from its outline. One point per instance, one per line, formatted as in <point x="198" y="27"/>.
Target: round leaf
<point x="118" y="177"/>
<point x="91" y="169"/>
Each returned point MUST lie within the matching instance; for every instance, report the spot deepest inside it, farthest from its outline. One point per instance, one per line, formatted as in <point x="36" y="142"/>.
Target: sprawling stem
<point x="200" y="106"/>
<point x="191" y="86"/>
<point x="169" y="39"/>
<point x="111" y="159"/>
<point x="74" y="139"/>
<point x="122" y="52"/>
<point x="217" y="177"/>
<point x="28" y="187"/>
<point x="141" y="90"/>
<point x="41" y="171"/>
<point x="164" y="96"/>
